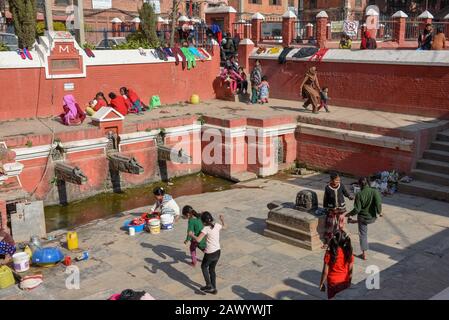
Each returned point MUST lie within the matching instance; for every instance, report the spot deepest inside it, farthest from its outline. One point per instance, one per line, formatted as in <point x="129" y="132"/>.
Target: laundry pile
<point x="386" y="182"/>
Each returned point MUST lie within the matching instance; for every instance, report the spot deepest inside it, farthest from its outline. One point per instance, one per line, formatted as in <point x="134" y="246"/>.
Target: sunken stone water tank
<point x="296" y="223"/>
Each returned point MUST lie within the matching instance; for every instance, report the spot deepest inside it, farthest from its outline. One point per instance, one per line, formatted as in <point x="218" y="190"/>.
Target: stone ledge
<point x="357" y="137"/>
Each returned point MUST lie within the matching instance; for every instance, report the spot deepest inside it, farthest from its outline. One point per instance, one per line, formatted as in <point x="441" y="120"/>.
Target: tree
<point x="174" y="20"/>
<point x="148" y="21"/>
<point x="24" y="17"/>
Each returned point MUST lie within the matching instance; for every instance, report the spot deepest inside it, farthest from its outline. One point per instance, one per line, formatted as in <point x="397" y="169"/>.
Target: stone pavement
<point x="227" y="109"/>
<point x="410" y="246"/>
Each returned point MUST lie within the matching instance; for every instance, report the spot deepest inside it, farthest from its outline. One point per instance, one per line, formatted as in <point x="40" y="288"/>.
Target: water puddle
<point x="109" y="204"/>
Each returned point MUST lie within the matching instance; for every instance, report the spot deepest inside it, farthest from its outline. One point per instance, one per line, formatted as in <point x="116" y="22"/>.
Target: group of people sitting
<point x="367" y="41"/>
<point x="126" y="102"/>
<point x="235" y="77"/>
<point x="428" y="41"/>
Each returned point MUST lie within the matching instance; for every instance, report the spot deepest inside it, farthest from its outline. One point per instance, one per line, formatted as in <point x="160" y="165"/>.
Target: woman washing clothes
<point x="310" y="90"/>
<point x="73" y="115"/>
<point x="165" y="204"/>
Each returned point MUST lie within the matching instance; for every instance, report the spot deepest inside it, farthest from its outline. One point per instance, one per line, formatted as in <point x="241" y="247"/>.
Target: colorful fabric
<point x="195" y="225"/>
<point x="196" y="53"/>
<point x="178" y="53"/>
<point x="264" y="90"/>
<point x="7" y="248"/>
<point x="119" y="104"/>
<point x="73" y="115"/>
<point x="339" y="271"/>
<point x="335" y="220"/>
<point x="191" y="63"/>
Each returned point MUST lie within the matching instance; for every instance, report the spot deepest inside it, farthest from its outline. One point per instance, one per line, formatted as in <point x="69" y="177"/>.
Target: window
<point x="255" y="1"/>
<point x="63" y="2"/>
<point x="313" y="4"/>
<point x="275" y="2"/>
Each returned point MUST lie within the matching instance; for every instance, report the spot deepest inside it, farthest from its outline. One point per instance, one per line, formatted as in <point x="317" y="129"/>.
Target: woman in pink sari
<point x="73" y="115"/>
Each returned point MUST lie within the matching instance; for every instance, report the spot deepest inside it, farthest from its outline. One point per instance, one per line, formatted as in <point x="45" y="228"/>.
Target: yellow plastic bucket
<point x="155" y="229"/>
<point x="6" y="277"/>
<point x="195" y="99"/>
<point x="72" y="240"/>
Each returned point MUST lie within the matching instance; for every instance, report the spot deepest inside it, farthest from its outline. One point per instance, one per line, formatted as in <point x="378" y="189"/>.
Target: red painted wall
<point x="29" y="94"/>
<point x="349" y="157"/>
<point x="420" y="90"/>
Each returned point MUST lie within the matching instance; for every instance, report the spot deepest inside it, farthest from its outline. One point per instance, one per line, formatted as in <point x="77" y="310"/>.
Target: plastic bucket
<point x="21" y="261"/>
<point x="167" y="221"/>
<point x="154" y="222"/>
<point x="155" y="229"/>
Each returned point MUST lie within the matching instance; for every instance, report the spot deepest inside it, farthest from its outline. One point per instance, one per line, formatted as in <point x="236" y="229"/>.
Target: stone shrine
<point x="296" y="223"/>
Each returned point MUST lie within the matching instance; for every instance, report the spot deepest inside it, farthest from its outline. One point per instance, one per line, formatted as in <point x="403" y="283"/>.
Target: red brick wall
<point x="348" y="157"/>
<point x="420" y="90"/>
<point x="30" y="94"/>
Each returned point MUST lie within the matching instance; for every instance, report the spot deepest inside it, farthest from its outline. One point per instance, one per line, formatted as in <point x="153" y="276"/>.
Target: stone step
<point x="292" y="241"/>
<point x="434" y="166"/>
<point x="443" y="136"/>
<point x="295" y="233"/>
<point x="243" y="176"/>
<point x="424" y="189"/>
<point x="436" y="155"/>
<point x="440" y="145"/>
<point x="431" y="177"/>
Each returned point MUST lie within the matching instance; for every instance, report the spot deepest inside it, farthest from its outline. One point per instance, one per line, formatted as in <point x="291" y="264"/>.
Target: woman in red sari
<point x="338" y="264"/>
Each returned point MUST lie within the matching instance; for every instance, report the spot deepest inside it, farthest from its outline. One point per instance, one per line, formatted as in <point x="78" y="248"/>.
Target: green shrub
<point x="57" y="26"/>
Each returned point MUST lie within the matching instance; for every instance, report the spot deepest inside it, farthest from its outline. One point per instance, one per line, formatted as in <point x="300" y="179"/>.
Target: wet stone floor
<point x="409" y="245"/>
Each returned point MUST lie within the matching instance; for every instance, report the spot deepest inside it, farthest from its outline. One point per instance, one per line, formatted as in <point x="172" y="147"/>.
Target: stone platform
<point x="408" y="244"/>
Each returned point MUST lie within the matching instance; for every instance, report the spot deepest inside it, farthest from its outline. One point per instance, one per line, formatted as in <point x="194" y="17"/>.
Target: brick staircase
<point x="431" y="176"/>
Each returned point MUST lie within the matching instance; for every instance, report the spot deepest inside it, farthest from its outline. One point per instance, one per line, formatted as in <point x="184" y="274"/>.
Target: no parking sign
<point x="350" y="28"/>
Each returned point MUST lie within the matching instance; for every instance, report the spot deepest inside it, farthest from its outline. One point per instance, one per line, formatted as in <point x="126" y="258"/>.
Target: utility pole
<point x="49" y="15"/>
<point x="79" y="21"/>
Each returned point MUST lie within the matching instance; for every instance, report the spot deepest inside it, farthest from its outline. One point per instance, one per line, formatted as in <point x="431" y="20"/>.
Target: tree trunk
<point x="174" y="20"/>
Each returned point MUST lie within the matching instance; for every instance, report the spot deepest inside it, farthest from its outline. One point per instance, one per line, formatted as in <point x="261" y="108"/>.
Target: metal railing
<point x="412" y="29"/>
<point x="386" y="30"/>
<point x="239" y="28"/>
<point x="272" y="28"/>
<point x="304" y="31"/>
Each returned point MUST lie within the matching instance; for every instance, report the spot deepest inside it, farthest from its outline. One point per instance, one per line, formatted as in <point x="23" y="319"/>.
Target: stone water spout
<point x="126" y="164"/>
<point x="68" y="173"/>
<point x="171" y="154"/>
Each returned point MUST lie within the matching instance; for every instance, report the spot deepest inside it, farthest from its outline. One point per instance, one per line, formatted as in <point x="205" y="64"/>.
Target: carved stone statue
<point x="70" y="173"/>
<point x="126" y="164"/>
<point x="307" y="200"/>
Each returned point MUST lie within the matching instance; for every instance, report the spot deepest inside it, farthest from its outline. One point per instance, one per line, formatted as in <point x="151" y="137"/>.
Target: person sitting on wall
<point x="345" y="42"/>
<point x="425" y="38"/>
<point x="97" y="103"/>
<point x="439" y="40"/>
<point x="7" y="247"/>
<point x="135" y="102"/>
<point x="165" y="203"/>
<point x="367" y="42"/>
<point x="73" y="115"/>
<point x="228" y="75"/>
<point x="229" y="48"/>
<point x="118" y="103"/>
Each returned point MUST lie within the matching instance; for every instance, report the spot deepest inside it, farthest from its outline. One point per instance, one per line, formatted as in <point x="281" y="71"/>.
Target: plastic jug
<point x="195" y="99"/>
<point x="72" y="240"/>
<point x="6" y="277"/>
<point x="28" y="251"/>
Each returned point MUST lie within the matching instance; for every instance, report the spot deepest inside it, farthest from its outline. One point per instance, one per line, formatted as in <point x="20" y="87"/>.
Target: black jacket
<point x="329" y="197"/>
